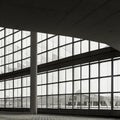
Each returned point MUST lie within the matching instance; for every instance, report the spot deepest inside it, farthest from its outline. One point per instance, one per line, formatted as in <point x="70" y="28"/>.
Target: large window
<point x="92" y="85"/>
<point x="54" y="47"/>
<point x="14" y="50"/>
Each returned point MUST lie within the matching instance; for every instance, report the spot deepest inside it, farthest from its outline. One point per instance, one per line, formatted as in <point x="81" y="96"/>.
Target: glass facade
<point x="15" y="93"/>
<point x="55" y="47"/>
<point x="92" y="85"/>
<point x="14" y="50"/>
<point x="84" y="86"/>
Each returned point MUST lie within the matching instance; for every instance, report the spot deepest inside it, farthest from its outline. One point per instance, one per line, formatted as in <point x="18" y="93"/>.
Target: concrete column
<point x="33" y="74"/>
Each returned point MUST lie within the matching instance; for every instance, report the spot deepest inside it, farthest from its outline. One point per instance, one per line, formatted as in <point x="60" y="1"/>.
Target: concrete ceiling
<point x="97" y="20"/>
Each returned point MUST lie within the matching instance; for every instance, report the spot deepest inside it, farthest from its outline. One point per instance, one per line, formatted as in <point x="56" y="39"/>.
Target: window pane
<point x="53" y="42"/>
<point x="26" y="81"/>
<point x="55" y="101"/>
<point x="17" y="102"/>
<point x="50" y="102"/>
<point x="1" y="60"/>
<point x="9" y="93"/>
<point x="68" y="39"/>
<point x="116" y="84"/>
<point x="68" y="106"/>
<point x="1" y="34"/>
<point x="25" y="34"/>
<point x="17" y="36"/>
<point x="42" y="47"/>
<point x="62" y="75"/>
<point x="68" y="87"/>
<point x="116" y="101"/>
<point x="26" y="53"/>
<point x="50" y="35"/>
<point x="1" y="94"/>
<point x="77" y="87"/>
<point x="26" y="91"/>
<point x="105" y="101"/>
<point x="52" y="77"/>
<point x="17" y="83"/>
<point x="55" y="89"/>
<point x="9" y="84"/>
<point x="26" y="42"/>
<point x="94" y="101"/>
<point x="43" y="78"/>
<point x="52" y="89"/>
<point x="62" y="88"/>
<point x="26" y="63"/>
<point x="77" y="39"/>
<point x="9" y="39"/>
<point x="69" y="74"/>
<point x="77" y="48"/>
<point x="43" y="101"/>
<point x="17" y="56"/>
<point x="17" y="46"/>
<point x="93" y="45"/>
<point x="94" y="70"/>
<point x="62" y="101"/>
<point x="2" y="69"/>
<point x="85" y="87"/>
<point x="9" y="49"/>
<point x="8" y="31"/>
<point x="85" y="72"/>
<point x="43" y="89"/>
<point x="9" y="68"/>
<point x="1" y="51"/>
<point x="9" y="103"/>
<point x="17" y="92"/>
<point x="41" y="58"/>
<point x="41" y="36"/>
<point x="62" y="52"/>
<point x="85" y="46"/>
<point x="17" y="65"/>
<point x="76" y="101"/>
<point x="105" y="69"/>
<point x="68" y="50"/>
<point x="77" y="73"/>
<point x="94" y="85"/>
<point x="84" y="101"/>
<point x="9" y="58"/>
<point x="2" y="42"/>
<point x="39" y="90"/>
<point x="39" y="80"/>
<point x="55" y="76"/>
<point x="52" y="55"/>
<point x="105" y="84"/>
<point x="62" y="40"/>
<point x="39" y="104"/>
<point x="102" y="45"/>
<point x="116" y="67"/>
<point x="1" y="85"/>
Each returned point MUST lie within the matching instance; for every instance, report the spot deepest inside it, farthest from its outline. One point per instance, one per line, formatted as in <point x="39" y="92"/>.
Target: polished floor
<point x="6" y="116"/>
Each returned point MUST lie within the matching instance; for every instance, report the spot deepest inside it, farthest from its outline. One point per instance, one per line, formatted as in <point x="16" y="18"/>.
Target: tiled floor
<point x="46" y="117"/>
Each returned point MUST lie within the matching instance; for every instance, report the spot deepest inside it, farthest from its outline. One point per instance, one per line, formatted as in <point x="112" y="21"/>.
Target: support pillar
<point x="33" y="74"/>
